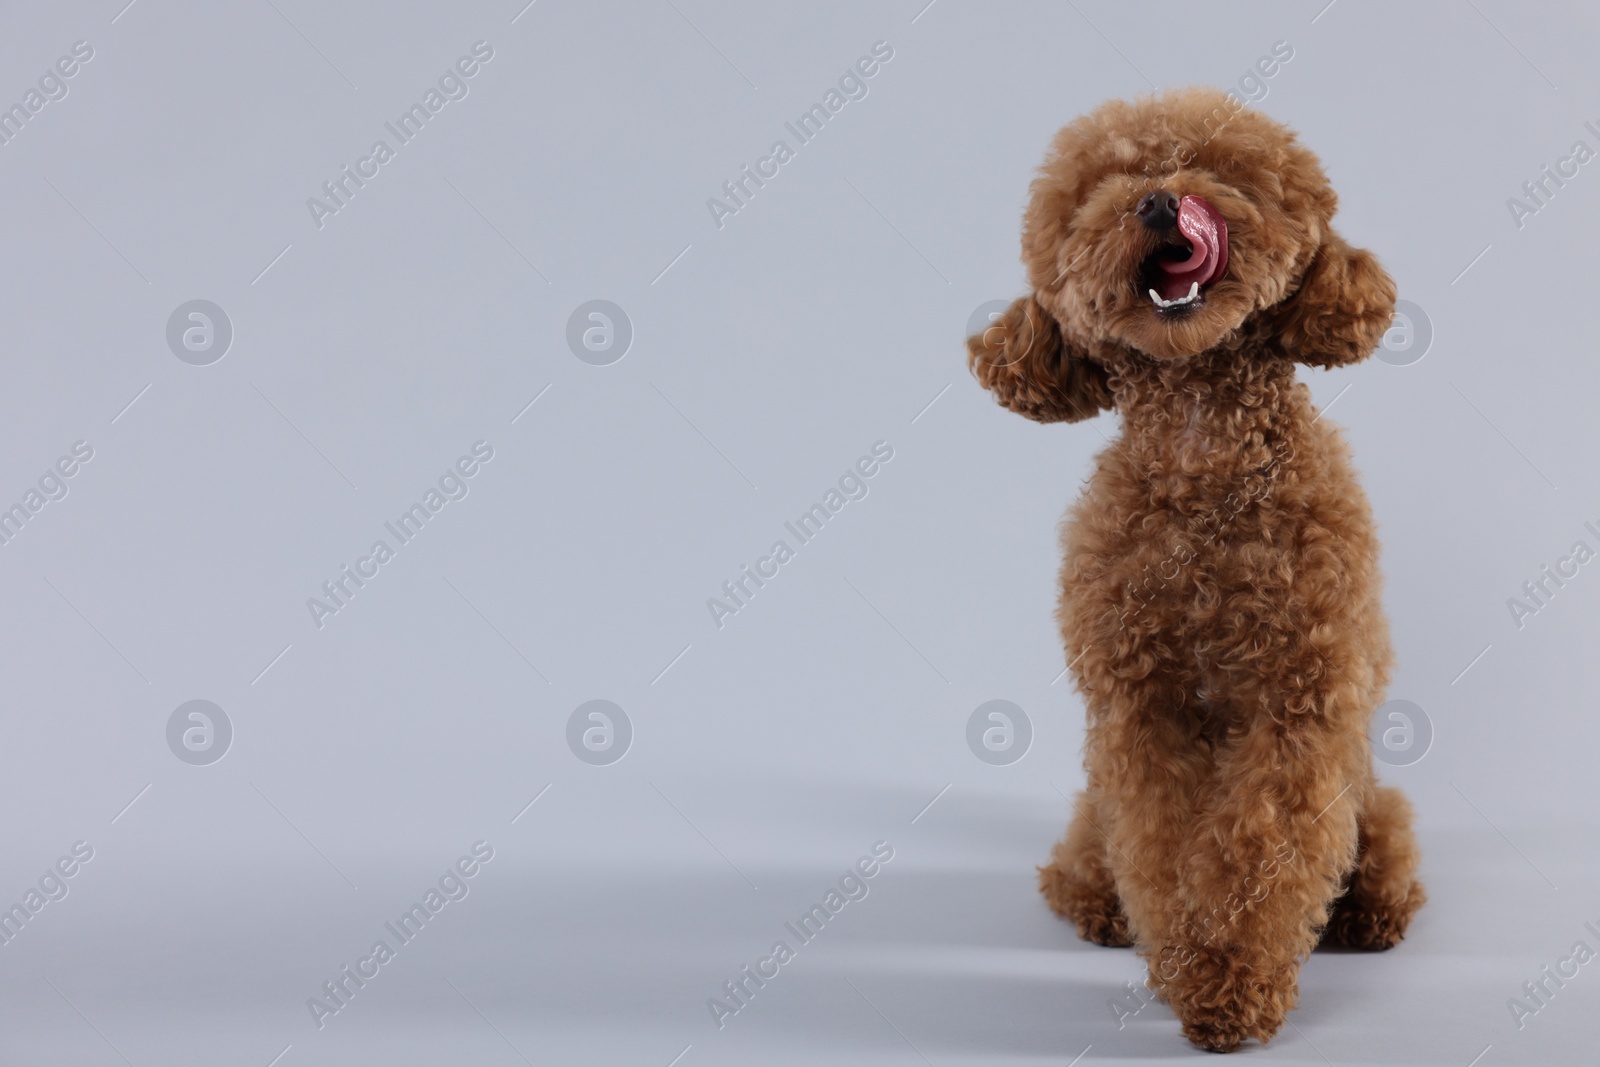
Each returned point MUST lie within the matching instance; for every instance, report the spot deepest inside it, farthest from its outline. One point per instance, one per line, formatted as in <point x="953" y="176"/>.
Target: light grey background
<point x="767" y="356"/>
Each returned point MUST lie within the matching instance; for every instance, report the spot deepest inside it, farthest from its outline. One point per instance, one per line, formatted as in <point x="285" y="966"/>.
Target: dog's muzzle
<point x="1177" y="282"/>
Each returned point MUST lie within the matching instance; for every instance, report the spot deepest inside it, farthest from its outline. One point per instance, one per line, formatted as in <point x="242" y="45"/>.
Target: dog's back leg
<point x="1077" y="882"/>
<point x="1383" y="893"/>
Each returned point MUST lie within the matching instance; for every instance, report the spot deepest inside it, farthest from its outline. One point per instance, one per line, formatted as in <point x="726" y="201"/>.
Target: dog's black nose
<point x="1158" y="210"/>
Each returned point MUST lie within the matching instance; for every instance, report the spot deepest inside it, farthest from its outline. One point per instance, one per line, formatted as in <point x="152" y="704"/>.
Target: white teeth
<point x="1194" y="293"/>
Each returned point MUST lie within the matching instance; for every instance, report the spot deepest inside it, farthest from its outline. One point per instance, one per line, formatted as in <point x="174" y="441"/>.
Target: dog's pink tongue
<point x="1208" y="235"/>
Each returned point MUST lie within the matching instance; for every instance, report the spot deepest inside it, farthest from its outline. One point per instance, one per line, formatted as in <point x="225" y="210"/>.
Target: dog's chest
<point x="1194" y="532"/>
<point x="1192" y="446"/>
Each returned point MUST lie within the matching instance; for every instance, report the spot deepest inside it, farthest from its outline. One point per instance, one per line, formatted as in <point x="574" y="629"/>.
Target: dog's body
<point x="1220" y="591"/>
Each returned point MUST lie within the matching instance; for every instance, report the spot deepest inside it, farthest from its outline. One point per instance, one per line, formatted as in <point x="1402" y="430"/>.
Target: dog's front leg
<point x="1275" y="836"/>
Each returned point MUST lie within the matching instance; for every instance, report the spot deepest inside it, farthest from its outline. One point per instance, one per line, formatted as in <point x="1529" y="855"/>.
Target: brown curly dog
<point x="1220" y="592"/>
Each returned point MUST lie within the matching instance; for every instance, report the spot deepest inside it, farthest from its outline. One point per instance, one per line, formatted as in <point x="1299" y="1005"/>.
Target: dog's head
<point x="1172" y="226"/>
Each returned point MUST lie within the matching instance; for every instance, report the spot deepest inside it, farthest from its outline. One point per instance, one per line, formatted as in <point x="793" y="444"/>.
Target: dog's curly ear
<point x="1031" y="369"/>
<point x="1341" y="310"/>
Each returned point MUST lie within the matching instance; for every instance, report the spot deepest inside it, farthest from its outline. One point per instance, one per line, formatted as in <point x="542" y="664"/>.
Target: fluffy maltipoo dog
<point x="1220" y="591"/>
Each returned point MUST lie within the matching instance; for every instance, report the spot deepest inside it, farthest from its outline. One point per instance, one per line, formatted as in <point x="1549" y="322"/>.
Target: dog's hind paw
<point x="1097" y="913"/>
<point x="1373" y="925"/>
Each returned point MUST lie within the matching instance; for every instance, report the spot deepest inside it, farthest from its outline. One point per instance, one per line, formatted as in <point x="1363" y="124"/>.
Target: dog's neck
<point x="1217" y="416"/>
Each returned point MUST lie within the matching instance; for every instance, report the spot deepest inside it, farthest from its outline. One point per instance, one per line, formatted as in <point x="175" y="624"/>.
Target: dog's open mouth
<point x="1176" y="274"/>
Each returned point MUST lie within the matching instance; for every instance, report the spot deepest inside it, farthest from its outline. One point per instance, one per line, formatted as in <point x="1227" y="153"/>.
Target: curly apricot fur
<point x="1219" y="596"/>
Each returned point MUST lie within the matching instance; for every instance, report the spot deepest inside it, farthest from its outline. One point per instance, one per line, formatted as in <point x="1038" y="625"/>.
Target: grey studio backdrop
<point x="599" y="471"/>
